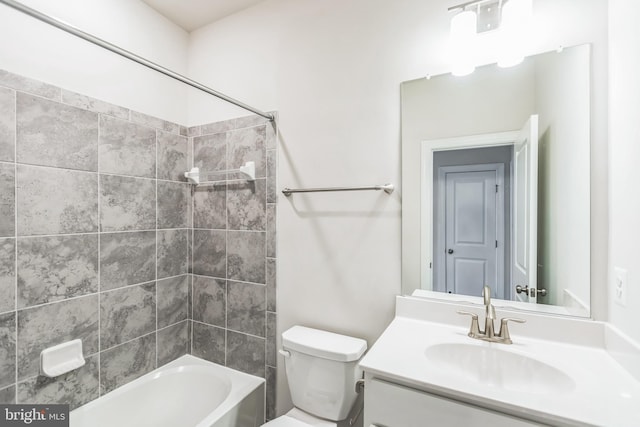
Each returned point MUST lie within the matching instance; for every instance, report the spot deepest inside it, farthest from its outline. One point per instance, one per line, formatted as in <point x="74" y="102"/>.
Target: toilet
<point x="322" y="370"/>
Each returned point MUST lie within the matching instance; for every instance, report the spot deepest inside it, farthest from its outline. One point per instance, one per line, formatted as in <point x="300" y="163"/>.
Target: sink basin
<point x="494" y="367"/>
<point x="558" y="371"/>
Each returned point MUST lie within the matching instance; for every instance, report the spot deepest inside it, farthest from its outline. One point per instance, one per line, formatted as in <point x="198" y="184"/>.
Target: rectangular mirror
<point x="496" y="184"/>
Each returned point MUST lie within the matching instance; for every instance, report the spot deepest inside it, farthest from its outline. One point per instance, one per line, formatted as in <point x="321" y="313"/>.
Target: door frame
<point x="427" y="148"/>
<point x="440" y="260"/>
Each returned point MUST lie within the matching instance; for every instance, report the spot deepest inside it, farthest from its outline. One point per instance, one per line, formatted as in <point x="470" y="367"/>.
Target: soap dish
<point x="61" y="358"/>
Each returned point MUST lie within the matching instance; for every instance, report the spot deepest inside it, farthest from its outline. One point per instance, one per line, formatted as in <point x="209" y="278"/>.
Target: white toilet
<point x="322" y="370"/>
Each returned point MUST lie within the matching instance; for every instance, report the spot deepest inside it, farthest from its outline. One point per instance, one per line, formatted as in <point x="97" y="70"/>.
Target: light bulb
<point x="463" y="26"/>
<point x="462" y="67"/>
<point x="463" y="35"/>
<point x="516" y="15"/>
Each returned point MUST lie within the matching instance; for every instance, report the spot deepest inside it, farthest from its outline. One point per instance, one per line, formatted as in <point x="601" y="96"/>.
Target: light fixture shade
<point x="463" y="35"/>
<point x="463" y="26"/>
<point x="516" y="12"/>
<point x="516" y="16"/>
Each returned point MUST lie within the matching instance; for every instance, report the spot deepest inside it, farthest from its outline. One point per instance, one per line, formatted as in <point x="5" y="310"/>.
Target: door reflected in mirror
<point x="496" y="182"/>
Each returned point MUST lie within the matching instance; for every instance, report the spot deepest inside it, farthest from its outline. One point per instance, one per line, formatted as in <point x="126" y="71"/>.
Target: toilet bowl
<point x="322" y="370"/>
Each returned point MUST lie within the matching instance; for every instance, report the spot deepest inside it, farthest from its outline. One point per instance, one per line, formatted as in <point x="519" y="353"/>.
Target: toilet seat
<point x="286" y="421"/>
<point x="298" y="418"/>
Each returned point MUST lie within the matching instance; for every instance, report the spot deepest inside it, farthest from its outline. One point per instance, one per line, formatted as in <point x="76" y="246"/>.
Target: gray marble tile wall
<point x="233" y="266"/>
<point x="95" y="228"/>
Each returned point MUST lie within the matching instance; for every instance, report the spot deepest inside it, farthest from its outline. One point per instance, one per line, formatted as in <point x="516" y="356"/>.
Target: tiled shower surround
<point x="102" y="239"/>
<point x="234" y="250"/>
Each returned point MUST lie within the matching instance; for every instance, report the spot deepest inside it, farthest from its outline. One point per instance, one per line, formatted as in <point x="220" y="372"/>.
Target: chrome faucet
<point x="489" y="334"/>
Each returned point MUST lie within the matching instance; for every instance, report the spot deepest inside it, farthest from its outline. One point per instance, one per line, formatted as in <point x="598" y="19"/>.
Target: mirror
<point x="496" y="191"/>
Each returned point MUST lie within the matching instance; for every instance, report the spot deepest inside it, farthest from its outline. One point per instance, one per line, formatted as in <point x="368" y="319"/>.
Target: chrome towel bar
<point x="387" y="188"/>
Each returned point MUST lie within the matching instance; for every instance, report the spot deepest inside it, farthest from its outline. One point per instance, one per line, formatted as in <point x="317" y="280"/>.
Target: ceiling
<point x="193" y="14"/>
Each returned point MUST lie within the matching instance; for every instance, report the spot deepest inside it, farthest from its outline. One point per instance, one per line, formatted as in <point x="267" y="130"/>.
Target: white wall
<point x="332" y="69"/>
<point x="37" y="50"/>
<point x="624" y="140"/>
<point x="336" y="68"/>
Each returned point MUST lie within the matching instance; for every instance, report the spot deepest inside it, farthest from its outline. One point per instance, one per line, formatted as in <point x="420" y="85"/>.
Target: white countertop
<point x="605" y="394"/>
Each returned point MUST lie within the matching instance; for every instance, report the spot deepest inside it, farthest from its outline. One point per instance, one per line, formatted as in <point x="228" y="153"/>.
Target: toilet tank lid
<point x="326" y="345"/>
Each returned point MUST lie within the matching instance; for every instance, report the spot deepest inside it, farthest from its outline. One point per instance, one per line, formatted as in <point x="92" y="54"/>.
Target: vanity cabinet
<point x="392" y="405"/>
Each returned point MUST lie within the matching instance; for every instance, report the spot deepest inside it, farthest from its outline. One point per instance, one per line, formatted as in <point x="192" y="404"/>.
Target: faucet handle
<point x="504" y="328"/>
<point x="467" y="313"/>
<point x="474" y="330"/>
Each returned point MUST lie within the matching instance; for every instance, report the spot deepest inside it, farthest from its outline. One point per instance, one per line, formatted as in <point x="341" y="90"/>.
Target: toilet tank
<point x="322" y="370"/>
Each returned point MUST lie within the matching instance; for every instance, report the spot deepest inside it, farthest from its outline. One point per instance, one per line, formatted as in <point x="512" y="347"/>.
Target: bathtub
<point x="188" y="392"/>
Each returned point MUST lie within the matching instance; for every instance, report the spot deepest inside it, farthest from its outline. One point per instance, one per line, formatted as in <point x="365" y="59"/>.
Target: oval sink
<point x="499" y="368"/>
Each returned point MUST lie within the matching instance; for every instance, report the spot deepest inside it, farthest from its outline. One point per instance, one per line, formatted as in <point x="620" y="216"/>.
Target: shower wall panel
<point x="234" y="249"/>
<point x="95" y="222"/>
<point x="102" y="239"/>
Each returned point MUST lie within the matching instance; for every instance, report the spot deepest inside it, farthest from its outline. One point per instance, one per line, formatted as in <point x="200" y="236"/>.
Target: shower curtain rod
<point x="129" y="55"/>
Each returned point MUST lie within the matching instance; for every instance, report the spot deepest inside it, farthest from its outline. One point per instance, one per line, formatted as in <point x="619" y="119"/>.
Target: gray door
<point x="470" y="256"/>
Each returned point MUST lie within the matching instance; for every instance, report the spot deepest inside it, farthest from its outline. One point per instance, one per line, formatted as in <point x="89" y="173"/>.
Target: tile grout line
<point x="15" y="234"/>
<point x="156" y="246"/>
<point x="172" y="325"/>
<point x="264" y="265"/>
<point x="164" y="278"/>
<point x="147" y="230"/>
<point x="235" y="231"/>
<point x="90" y="294"/>
<point x="226" y="251"/>
<point x="147" y="334"/>
<point x="275" y="268"/>
<point x="226" y="329"/>
<point x="191" y="149"/>
<point x="272" y="227"/>
<point x="99" y="271"/>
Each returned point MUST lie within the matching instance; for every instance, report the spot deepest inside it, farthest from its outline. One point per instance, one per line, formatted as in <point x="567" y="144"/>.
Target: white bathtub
<point x="188" y="392"/>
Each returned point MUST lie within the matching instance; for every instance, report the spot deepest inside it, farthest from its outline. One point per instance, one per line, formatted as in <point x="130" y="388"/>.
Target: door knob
<point x="532" y="292"/>
<point x="450" y="251"/>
